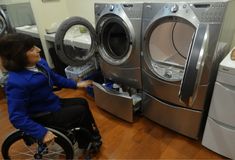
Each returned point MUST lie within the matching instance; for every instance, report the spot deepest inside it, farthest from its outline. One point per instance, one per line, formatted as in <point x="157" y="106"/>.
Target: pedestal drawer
<point x="118" y="104"/>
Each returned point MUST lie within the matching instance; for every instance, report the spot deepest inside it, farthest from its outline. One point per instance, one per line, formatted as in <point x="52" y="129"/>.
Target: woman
<point x="29" y="89"/>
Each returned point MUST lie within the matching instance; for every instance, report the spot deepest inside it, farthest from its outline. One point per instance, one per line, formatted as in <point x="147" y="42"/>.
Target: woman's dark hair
<point x="13" y="48"/>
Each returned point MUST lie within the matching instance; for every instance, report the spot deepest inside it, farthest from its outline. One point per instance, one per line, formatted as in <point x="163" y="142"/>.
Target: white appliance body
<point x="219" y="134"/>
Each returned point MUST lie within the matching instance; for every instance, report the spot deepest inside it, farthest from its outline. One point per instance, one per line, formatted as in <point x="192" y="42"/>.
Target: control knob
<point x="174" y="8"/>
<point x="111" y="8"/>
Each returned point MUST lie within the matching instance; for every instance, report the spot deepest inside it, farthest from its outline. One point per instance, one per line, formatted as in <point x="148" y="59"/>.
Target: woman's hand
<point x="49" y="137"/>
<point x="84" y="84"/>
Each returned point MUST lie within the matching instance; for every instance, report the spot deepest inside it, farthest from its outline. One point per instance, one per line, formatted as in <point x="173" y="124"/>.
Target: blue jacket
<point x="31" y="92"/>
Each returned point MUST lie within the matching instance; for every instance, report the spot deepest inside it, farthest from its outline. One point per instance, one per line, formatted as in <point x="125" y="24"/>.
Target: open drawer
<point x="116" y="103"/>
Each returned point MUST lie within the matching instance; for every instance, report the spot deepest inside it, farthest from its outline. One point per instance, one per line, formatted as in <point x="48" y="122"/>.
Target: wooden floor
<point x="142" y="139"/>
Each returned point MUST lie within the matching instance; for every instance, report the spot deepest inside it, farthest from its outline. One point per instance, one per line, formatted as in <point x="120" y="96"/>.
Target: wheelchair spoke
<point x="20" y="149"/>
<point x="29" y="149"/>
<point x="54" y="153"/>
<point x="20" y="154"/>
<point x="57" y="152"/>
<point x="17" y="147"/>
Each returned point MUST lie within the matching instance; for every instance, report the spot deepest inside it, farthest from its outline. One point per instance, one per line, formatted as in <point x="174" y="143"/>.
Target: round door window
<point x="169" y="44"/>
<point x="2" y="25"/>
<point x="115" y="42"/>
<point x="75" y="41"/>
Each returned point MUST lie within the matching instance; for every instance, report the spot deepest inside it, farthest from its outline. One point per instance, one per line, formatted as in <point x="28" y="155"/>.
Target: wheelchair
<point x="19" y="145"/>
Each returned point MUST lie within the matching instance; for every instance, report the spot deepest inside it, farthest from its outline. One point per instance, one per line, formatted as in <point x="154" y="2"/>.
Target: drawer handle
<point x="226" y="87"/>
<point x="110" y="92"/>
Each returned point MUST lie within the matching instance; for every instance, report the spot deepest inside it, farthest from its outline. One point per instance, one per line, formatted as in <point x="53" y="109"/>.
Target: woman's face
<point x="33" y="55"/>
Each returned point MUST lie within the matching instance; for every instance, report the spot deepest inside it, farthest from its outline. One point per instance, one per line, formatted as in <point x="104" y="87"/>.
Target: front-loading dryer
<point x="183" y="43"/>
<point x="116" y="37"/>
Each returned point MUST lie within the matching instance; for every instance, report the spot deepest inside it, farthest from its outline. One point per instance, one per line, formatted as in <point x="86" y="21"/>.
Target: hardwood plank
<point x="142" y="139"/>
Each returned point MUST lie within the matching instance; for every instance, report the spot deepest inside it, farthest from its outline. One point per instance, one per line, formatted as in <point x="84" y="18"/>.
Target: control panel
<point x="131" y="10"/>
<point x="209" y="12"/>
<point x="168" y="72"/>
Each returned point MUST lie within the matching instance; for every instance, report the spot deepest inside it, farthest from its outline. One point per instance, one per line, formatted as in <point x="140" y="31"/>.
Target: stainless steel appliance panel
<point x="168" y="91"/>
<point x="127" y="76"/>
<point x="181" y="120"/>
<point x="118" y="28"/>
<point x="113" y="102"/>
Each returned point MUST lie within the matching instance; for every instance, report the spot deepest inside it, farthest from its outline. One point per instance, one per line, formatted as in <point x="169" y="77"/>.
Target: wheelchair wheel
<point x="19" y="146"/>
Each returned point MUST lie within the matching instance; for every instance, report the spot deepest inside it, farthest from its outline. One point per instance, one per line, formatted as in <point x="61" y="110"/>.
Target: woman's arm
<point x="63" y="82"/>
<point x="57" y="79"/>
<point x="18" y="101"/>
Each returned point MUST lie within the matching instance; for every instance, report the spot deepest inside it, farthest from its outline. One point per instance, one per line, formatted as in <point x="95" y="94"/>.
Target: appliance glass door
<point x="75" y="41"/>
<point x="169" y="46"/>
<point x="114" y="38"/>
<point x="2" y="25"/>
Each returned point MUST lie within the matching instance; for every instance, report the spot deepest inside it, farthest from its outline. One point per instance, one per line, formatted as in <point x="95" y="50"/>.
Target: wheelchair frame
<point x="65" y="141"/>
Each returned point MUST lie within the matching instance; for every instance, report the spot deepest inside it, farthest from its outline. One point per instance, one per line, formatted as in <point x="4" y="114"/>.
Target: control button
<point x="111" y="8"/>
<point x="174" y="8"/>
<point x="161" y="71"/>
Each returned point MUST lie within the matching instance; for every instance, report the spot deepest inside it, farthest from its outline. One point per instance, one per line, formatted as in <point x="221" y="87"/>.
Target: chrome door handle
<point x="194" y="66"/>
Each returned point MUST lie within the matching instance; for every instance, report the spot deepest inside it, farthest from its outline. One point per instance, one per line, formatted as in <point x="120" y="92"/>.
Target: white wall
<point x="13" y="1"/>
<point x="47" y="13"/>
<point x="233" y="43"/>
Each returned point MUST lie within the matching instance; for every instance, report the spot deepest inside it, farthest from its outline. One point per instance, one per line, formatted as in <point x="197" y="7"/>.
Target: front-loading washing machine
<point x="5" y="26"/>
<point x="116" y="37"/>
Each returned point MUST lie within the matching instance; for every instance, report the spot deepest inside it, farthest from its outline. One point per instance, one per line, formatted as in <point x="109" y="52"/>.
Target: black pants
<point x="74" y="113"/>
